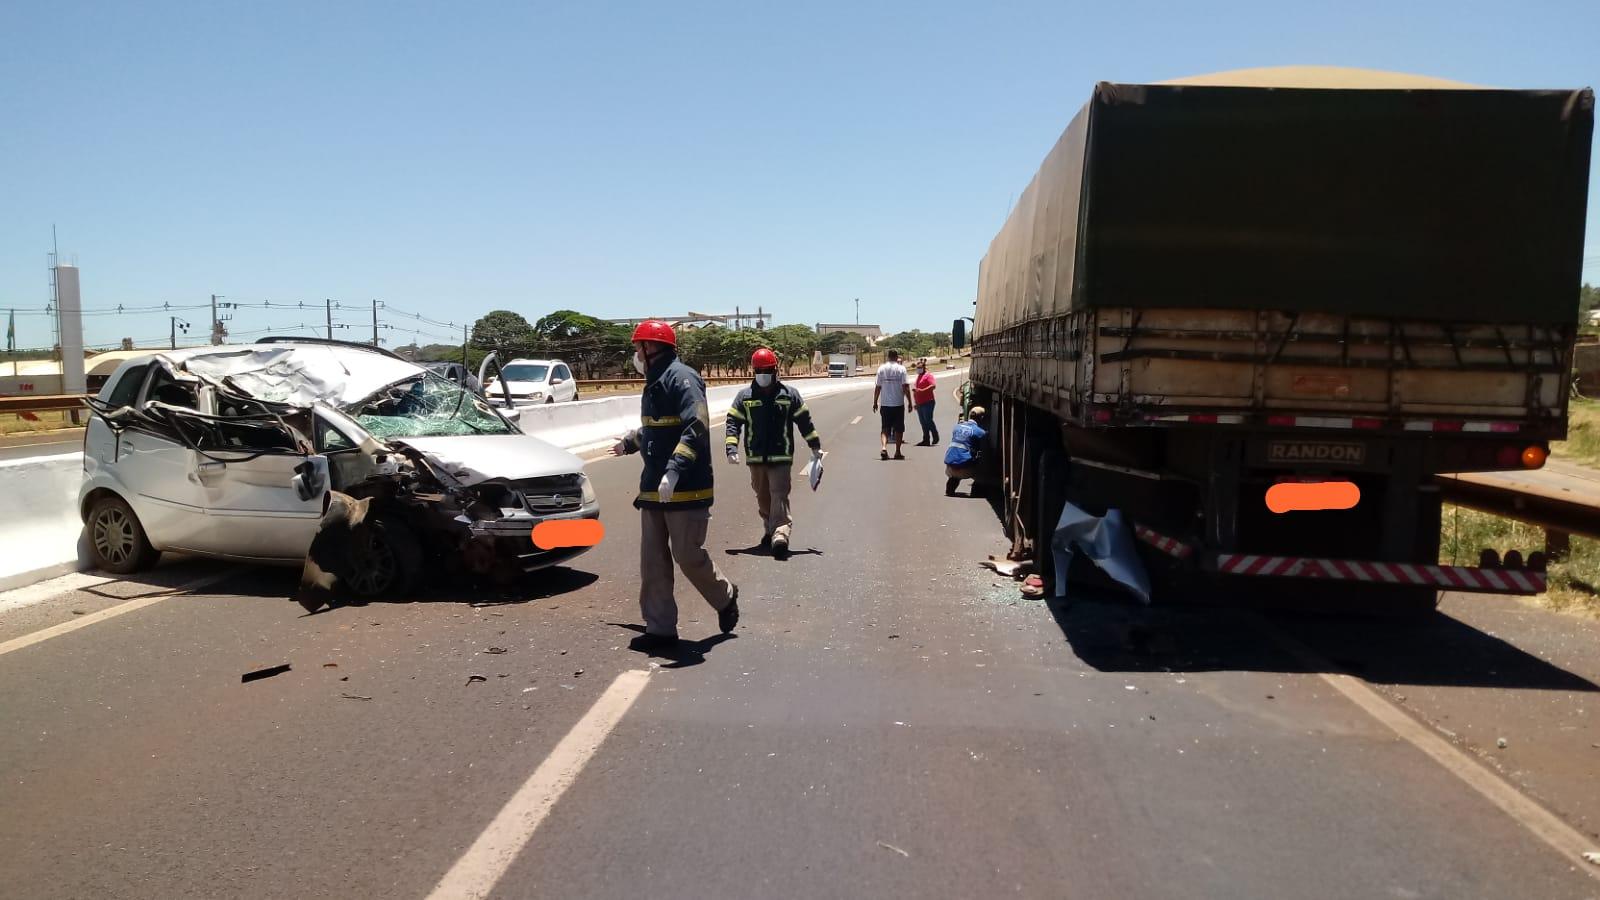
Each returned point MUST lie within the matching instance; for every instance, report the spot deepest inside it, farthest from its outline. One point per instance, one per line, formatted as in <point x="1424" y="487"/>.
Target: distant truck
<point x="1258" y="312"/>
<point x="841" y="365"/>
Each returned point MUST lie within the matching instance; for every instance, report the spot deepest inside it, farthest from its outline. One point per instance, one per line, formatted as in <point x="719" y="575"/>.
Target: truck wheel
<point x="1050" y="497"/>
<point x="116" y="539"/>
<point x="384" y="558"/>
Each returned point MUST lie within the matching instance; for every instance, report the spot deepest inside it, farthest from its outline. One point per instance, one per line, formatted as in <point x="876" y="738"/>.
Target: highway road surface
<point x="889" y="720"/>
<point x="49" y="443"/>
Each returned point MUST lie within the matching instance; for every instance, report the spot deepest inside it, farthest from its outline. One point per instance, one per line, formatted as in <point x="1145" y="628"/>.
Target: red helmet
<point x="764" y="359"/>
<point x="655" y="330"/>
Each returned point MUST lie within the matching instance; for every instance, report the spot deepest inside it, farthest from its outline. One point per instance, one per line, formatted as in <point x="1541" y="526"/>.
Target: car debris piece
<point x="354" y="697"/>
<point x="259" y="674"/>
<point x="495" y="650"/>
<point x="1592" y="857"/>
<point x="472" y="678"/>
<point x="1501" y="743"/>
<point x="894" y="848"/>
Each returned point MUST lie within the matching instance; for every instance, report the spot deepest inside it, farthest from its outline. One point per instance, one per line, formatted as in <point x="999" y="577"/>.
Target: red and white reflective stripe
<point x="1455" y="578"/>
<point x="1480" y="427"/>
<point x="1167" y="545"/>
<point x="1199" y="419"/>
<point x="1323" y="422"/>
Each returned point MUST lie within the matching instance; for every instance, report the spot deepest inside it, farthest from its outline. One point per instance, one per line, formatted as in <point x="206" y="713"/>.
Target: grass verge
<point x="1582" y="445"/>
<point x="1574" y="581"/>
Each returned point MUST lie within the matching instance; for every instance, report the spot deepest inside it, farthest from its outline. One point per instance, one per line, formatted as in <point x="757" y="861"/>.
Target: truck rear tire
<point x="1050" y="498"/>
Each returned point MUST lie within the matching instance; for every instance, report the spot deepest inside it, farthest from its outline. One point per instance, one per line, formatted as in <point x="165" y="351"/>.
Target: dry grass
<point x="1574" y="581"/>
<point x="49" y="420"/>
<point x="1582" y="445"/>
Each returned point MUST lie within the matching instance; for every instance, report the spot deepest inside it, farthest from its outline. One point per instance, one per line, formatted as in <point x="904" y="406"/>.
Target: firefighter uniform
<point x="673" y="436"/>
<point x="767" y="418"/>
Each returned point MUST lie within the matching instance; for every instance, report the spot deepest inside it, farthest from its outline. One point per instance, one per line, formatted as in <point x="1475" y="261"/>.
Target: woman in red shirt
<point x="922" y="396"/>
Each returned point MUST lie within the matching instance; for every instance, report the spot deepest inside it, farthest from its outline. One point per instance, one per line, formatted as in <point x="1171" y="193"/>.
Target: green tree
<point x="594" y="346"/>
<point x="503" y="331"/>
<point x="794" y="345"/>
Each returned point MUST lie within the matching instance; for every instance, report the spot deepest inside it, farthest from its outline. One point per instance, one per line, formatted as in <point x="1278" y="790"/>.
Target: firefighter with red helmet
<point x="675" y="493"/>
<point x="766" y="412"/>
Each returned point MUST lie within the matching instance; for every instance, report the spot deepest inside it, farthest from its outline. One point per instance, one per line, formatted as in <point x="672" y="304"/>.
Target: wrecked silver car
<point x="244" y="452"/>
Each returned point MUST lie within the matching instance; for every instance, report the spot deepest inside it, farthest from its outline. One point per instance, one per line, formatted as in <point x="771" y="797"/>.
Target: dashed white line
<point x="480" y="868"/>
<point x="855" y="420"/>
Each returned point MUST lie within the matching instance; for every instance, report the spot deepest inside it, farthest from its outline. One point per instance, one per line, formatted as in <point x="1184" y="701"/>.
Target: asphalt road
<point x="889" y="720"/>
<point x="49" y="444"/>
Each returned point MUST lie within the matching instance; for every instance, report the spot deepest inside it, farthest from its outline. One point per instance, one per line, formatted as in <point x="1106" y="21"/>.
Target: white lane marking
<point x="45" y="634"/>
<point x="1544" y="825"/>
<point x="49" y="590"/>
<point x="855" y="420"/>
<point x="479" y="869"/>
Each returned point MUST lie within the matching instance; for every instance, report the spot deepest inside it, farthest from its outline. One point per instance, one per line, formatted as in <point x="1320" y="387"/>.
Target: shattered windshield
<point x="426" y="405"/>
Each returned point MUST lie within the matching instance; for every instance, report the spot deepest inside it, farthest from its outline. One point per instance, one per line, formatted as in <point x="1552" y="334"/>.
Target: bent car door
<point x="158" y="472"/>
<point x="250" y="500"/>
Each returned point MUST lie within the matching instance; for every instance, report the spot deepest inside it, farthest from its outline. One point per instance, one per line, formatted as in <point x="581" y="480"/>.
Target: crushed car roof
<point x="299" y="374"/>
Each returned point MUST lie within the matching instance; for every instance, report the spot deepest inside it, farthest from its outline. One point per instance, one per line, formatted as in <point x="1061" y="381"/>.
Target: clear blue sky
<point x="620" y="159"/>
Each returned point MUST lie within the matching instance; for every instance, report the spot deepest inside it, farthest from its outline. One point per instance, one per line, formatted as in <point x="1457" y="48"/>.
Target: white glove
<point x="733" y="454"/>
<point x="816" y="454"/>
<point x="669" y="482"/>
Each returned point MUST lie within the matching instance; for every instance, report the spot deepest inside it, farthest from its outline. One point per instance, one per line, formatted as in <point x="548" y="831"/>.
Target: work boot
<point x="654" y="643"/>
<point x="780" y="547"/>
<point x="922" y="443"/>
<point x="766" y="542"/>
<point x="950" y="485"/>
<point x="728" y="616"/>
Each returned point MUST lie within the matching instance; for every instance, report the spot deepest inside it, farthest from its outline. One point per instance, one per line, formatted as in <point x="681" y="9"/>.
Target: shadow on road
<point x="1114" y="635"/>
<point x="683" y="655"/>
<point x="759" y="550"/>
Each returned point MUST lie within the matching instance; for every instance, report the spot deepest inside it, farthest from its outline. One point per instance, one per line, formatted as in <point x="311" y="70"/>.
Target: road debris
<point x="1500" y="742"/>
<point x="577" y="673"/>
<point x="259" y="674"/>
<point x="330" y="665"/>
<point x="354" y="697"/>
<point x="894" y="848"/>
<point x="472" y="678"/>
<point x="495" y="650"/>
<point x="1003" y="566"/>
<point x="1592" y="858"/>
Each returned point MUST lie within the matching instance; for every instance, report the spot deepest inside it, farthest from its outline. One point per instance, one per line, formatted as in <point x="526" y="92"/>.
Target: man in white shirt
<point x="890" y="397"/>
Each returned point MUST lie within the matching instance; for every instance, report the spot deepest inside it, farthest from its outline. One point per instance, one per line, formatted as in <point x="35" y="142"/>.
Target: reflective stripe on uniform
<point x="659" y="421"/>
<point x="760" y="460"/>
<point x="732" y="441"/>
<point x="685" y="451"/>
<point x="677" y="496"/>
<point x="808" y="438"/>
<point x="734" y="412"/>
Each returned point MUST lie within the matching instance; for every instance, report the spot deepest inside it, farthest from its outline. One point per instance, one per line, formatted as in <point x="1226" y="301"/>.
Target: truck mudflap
<point x="1472" y="579"/>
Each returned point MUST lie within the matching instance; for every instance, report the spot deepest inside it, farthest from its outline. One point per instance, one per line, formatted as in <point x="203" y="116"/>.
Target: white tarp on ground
<point x="1108" y="543"/>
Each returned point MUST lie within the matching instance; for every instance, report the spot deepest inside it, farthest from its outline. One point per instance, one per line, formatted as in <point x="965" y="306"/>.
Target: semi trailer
<point x="1258" y="312"/>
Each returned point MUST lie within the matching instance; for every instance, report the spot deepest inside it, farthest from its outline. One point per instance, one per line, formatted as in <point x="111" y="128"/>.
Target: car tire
<point x="385" y="558"/>
<point x="117" y="540"/>
<point x="549" y="400"/>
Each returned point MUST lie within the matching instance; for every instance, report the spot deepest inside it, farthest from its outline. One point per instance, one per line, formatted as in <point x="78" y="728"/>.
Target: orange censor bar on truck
<point x="560" y="533"/>
<point x="1290" y="496"/>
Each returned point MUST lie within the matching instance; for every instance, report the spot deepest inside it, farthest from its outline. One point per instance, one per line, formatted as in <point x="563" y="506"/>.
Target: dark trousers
<point x="925" y="416"/>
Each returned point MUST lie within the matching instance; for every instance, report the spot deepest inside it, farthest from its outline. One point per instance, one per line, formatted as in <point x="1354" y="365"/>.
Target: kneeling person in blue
<point x="961" y="459"/>
<point x="767" y="412"/>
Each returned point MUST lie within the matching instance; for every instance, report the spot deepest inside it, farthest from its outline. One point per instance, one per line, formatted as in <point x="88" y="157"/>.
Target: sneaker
<point x="922" y="443"/>
<point x="899" y="455"/>
<point x="935" y="440"/>
<point x="780" y="547"/>
<point x="728" y="616"/>
<point x="950" y="485"/>
<point x="883" y="454"/>
<point x="766" y="542"/>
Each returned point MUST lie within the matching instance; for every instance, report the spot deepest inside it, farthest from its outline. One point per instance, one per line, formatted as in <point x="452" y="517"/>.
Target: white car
<point x="232" y="452"/>
<point x="531" y="382"/>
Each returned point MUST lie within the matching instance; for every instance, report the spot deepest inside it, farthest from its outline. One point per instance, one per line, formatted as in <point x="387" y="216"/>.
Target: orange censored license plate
<point x="561" y="533"/>
<point x="1290" y="496"/>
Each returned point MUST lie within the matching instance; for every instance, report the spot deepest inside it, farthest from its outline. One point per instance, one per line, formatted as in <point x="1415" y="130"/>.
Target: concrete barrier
<point x="43" y="534"/>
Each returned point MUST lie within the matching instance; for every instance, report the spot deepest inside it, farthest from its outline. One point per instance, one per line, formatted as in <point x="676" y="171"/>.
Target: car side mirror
<point x="512" y="415"/>
<point x="311" y="477"/>
<point x="958" y="334"/>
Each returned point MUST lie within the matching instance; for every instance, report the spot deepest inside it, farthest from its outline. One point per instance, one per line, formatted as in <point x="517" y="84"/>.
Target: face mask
<point x="764" y="379"/>
<point x="638" y="363"/>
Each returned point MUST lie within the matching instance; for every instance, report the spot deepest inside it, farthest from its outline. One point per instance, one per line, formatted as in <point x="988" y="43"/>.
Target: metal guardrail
<point x="41" y="403"/>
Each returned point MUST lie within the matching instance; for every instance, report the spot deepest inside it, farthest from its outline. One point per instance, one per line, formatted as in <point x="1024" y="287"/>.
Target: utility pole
<point x="464" y="345"/>
<point x="328" y="305"/>
<point x="216" y="327"/>
<point x="858" y="310"/>
<point x="375" y="305"/>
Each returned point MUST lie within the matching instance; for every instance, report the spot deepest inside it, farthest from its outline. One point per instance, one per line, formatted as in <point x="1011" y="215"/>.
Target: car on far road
<point x="455" y="372"/>
<point x="532" y="382"/>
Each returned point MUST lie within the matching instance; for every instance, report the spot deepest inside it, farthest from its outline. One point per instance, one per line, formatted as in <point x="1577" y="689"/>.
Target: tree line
<point x="596" y="348"/>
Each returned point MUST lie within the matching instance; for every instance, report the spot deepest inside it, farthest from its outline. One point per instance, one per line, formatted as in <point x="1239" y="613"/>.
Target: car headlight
<point x="536" y="395"/>
<point x="588" y="489"/>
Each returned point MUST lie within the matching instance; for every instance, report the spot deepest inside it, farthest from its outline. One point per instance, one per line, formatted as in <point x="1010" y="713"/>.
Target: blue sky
<point x="620" y="159"/>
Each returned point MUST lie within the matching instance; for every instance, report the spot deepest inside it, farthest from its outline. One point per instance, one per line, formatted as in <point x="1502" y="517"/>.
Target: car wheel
<point x="116" y="539"/>
<point x="549" y="400"/>
<point x="384" y="558"/>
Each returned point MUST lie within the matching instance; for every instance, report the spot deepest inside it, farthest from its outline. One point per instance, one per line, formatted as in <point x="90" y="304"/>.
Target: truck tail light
<point x="1533" y="456"/>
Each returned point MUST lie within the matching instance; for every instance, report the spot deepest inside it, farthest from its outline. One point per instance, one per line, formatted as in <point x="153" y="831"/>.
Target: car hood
<point x="522" y="386"/>
<point x="477" y="458"/>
